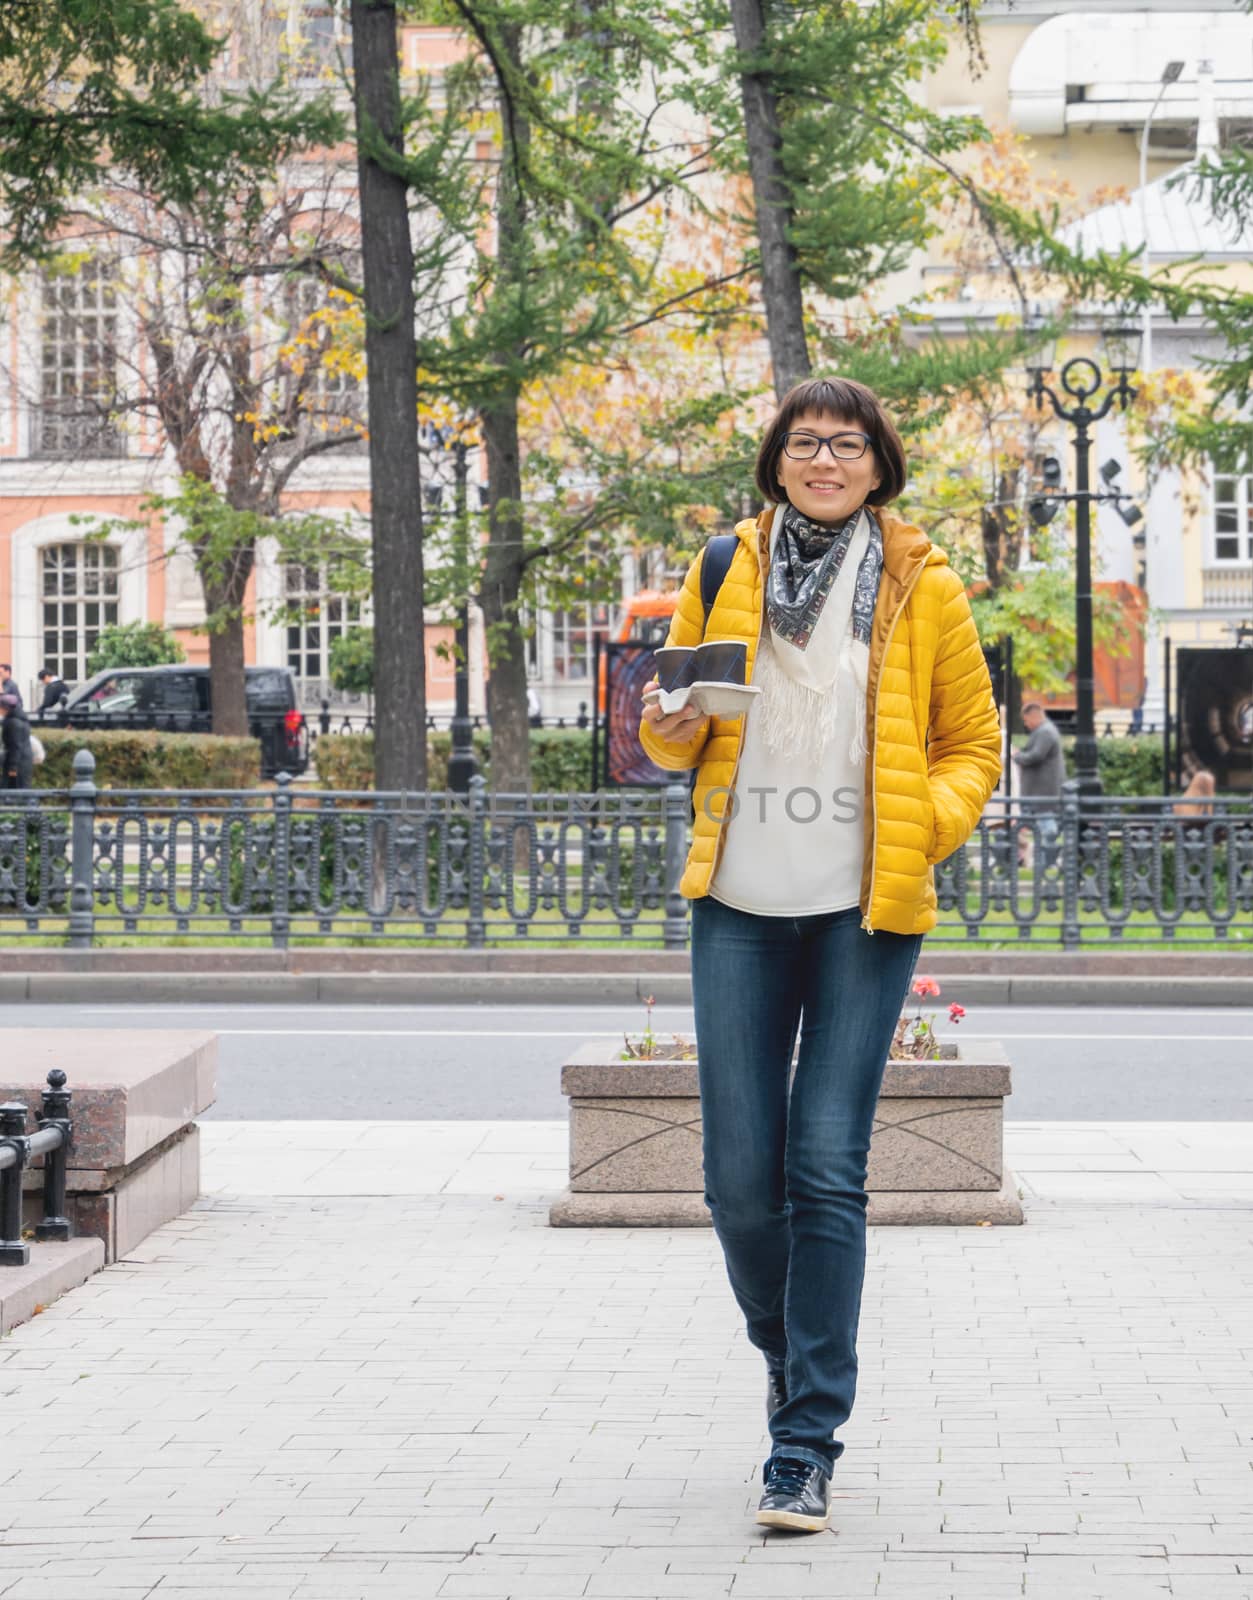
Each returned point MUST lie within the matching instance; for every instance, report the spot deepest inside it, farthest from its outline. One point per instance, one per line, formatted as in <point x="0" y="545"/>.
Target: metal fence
<point x="1101" y="870"/>
<point x="93" y="864"/>
<point x="89" y="865"/>
<point x="347" y="720"/>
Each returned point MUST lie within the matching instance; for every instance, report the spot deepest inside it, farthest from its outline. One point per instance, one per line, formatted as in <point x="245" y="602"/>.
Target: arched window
<point x="79" y="593"/>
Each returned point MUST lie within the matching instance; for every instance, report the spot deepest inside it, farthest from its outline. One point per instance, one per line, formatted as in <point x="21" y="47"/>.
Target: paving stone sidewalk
<point x="363" y="1368"/>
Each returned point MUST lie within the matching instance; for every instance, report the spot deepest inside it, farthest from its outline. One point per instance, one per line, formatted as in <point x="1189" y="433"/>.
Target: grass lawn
<point x="548" y="932"/>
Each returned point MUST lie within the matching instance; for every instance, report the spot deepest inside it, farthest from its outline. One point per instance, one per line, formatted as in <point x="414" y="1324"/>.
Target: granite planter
<point x="936" y="1155"/>
<point x="134" y="1162"/>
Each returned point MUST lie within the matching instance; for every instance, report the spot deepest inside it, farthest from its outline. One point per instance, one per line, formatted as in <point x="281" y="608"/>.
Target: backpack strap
<point x="714" y="568"/>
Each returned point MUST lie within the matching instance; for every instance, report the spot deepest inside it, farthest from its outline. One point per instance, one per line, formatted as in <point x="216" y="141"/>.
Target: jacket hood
<point x="905" y="545"/>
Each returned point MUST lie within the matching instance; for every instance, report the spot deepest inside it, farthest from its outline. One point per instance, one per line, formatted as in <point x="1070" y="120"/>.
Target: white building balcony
<point x="1228" y="587"/>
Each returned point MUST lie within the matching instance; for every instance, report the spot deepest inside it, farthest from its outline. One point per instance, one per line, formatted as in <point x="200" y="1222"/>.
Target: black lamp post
<point x="1082" y="379"/>
<point x="462" y="762"/>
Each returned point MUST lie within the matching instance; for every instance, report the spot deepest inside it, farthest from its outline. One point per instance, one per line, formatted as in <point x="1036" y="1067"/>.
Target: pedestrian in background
<point x="1042" y="767"/>
<point x="8" y="684"/>
<point x="54" y="690"/>
<point x="16" y="759"/>
<point x="874" y="704"/>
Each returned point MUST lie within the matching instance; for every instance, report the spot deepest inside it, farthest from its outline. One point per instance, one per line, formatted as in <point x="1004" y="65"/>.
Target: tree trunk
<point x="501" y="585"/>
<point x="504" y="567"/>
<point x="224" y="600"/>
<point x="780" y="272"/>
<point x="1001" y="531"/>
<point x="392" y="395"/>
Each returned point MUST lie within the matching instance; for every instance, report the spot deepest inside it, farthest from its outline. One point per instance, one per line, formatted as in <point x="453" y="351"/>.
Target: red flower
<point x="956" y="1012"/>
<point x="925" y="986"/>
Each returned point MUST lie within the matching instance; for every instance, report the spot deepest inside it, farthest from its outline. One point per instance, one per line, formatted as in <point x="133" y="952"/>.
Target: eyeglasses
<point x="843" y="446"/>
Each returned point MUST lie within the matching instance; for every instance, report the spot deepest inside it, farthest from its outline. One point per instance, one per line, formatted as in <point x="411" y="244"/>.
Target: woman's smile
<point x="823" y="489"/>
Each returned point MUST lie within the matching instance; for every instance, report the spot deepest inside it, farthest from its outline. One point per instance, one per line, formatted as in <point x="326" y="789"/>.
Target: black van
<point x="178" y="699"/>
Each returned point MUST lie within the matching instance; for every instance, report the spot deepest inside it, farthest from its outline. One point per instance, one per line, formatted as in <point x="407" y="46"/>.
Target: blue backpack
<point x="714" y="568"/>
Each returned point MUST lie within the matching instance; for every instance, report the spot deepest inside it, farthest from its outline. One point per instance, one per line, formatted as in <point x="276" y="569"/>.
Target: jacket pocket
<point x="939" y="845"/>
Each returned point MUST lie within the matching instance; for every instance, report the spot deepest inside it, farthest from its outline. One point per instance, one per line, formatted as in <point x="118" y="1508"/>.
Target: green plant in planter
<point x="649" y="1048"/>
<point x="915" y="1038"/>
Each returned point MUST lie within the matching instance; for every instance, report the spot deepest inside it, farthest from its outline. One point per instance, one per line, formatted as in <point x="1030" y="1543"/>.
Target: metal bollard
<point x="82" y="851"/>
<point x="14" y="1251"/>
<point x="56" y="1115"/>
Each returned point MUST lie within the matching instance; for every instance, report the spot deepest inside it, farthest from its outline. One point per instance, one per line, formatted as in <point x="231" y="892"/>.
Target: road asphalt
<point x="500" y="1062"/>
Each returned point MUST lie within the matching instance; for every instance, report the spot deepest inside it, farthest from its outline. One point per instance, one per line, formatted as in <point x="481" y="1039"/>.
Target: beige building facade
<point x="1083" y="87"/>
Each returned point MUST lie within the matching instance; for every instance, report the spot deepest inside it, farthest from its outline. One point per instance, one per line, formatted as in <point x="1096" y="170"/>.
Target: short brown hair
<point x="848" y="401"/>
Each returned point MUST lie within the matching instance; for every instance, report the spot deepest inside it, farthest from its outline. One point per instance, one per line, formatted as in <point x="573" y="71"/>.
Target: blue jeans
<point x="785" y="1164"/>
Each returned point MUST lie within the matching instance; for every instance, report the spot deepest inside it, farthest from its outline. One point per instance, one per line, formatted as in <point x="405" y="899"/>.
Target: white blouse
<point x="794" y="829"/>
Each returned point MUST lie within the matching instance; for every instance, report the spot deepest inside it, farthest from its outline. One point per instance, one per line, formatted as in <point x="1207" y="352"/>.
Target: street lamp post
<point x="1082" y="380"/>
<point x="462" y="762"/>
<point x="1170" y="74"/>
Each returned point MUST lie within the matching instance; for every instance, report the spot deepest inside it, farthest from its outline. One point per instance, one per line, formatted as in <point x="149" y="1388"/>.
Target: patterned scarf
<point x="802" y="700"/>
<point x="803" y="568"/>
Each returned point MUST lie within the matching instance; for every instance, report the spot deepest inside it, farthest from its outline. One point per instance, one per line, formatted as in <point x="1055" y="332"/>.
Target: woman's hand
<point x="678" y="725"/>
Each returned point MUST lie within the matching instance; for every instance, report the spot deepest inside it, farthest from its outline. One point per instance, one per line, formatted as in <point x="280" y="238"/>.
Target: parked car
<point x="179" y="699"/>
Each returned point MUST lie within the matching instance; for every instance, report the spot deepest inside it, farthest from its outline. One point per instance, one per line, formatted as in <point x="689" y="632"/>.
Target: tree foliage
<point x="134" y="644"/>
<point x="352" y="663"/>
<point x="91" y="89"/>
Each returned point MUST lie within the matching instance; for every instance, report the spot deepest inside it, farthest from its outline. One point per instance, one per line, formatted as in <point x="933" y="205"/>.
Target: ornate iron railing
<point x="1120" y="869"/>
<point x="282" y="865"/>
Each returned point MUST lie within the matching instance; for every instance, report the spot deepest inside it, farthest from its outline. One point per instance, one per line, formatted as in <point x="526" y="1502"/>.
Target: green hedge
<point x="144" y="758"/>
<point x="561" y="759"/>
<point x="1128" y="766"/>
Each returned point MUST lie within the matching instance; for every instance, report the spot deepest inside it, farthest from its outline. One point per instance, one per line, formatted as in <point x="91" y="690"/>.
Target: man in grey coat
<point x="1041" y="769"/>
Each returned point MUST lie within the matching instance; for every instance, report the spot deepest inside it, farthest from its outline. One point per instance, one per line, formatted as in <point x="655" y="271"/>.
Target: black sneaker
<point x="776" y="1389"/>
<point x="796" y="1494"/>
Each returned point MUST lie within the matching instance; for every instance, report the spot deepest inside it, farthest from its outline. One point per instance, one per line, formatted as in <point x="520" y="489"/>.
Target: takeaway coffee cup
<point x="717" y="660"/>
<point x="722" y="661"/>
<point x="675" y="667"/>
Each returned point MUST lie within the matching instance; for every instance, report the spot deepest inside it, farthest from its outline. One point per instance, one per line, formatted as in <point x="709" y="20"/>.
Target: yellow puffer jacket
<point x="933" y="731"/>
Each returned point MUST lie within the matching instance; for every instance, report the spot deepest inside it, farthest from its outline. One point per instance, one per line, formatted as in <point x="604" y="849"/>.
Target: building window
<point x="79" y="599"/>
<point x="331" y="396"/>
<point x="1233" y="519"/>
<point x="572" y="633"/>
<point x="530" y="641"/>
<point x="78" y="380"/>
<point x="320" y="38"/>
<point x="317" y="616"/>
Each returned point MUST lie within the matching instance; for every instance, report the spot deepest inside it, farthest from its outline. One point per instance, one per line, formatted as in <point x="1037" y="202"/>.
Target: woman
<point x="16" y="762"/>
<point x="866" y="758"/>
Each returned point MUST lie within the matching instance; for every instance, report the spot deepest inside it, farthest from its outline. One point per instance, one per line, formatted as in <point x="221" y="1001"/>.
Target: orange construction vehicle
<point x="645" y="616"/>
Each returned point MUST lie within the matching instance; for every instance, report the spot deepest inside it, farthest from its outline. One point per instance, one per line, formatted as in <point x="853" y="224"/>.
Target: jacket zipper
<point x="874" y="747"/>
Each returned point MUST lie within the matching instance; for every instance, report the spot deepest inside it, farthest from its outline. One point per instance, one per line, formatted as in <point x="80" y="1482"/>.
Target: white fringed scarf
<point x="819" y="574"/>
